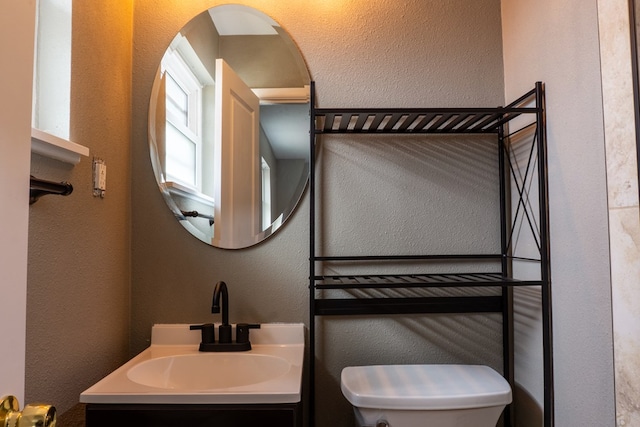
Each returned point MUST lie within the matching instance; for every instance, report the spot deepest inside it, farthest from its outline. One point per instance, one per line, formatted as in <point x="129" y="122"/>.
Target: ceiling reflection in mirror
<point x="229" y="126"/>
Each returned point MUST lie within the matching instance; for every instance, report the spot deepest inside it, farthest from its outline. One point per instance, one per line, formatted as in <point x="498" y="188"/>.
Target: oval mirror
<point x="229" y="126"/>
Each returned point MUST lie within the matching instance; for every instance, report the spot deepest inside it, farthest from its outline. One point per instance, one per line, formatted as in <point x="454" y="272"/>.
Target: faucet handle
<point x="224" y="334"/>
<point x="208" y="332"/>
<point x="242" y="332"/>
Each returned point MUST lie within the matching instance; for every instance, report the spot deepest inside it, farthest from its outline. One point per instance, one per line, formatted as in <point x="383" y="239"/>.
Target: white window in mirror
<point x="184" y="122"/>
<point x="52" y="74"/>
<point x="266" y="194"/>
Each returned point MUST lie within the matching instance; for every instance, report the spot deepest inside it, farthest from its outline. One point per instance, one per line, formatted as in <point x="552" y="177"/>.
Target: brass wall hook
<point x="34" y="415"/>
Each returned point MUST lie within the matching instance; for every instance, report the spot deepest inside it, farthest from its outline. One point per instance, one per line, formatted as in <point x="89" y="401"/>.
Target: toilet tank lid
<point x="424" y="387"/>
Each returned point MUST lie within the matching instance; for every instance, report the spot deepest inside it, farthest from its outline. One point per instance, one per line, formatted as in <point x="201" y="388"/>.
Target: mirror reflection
<point x="229" y="126"/>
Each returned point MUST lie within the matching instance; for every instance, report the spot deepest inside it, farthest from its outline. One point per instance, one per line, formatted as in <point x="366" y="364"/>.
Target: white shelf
<point x="190" y="193"/>
<point x="51" y="146"/>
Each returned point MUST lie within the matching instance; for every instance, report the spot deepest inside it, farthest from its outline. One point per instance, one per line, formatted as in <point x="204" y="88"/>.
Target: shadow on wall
<point x="528" y="412"/>
<point x="528" y="363"/>
<point x="417" y="195"/>
<point x="455" y="162"/>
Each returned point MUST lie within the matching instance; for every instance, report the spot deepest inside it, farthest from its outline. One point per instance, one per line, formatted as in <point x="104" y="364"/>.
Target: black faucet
<point x="224" y="337"/>
<point x="225" y="342"/>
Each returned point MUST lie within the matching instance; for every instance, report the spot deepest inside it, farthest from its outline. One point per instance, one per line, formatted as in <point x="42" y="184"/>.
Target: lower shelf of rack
<point x="328" y="303"/>
<point x="448" y="280"/>
<point x="422" y="305"/>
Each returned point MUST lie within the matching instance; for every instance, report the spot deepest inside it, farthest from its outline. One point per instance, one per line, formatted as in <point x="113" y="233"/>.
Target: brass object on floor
<point x="33" y="415"/>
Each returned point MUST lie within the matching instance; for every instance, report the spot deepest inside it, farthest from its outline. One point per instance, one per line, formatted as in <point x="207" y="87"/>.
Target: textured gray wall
<point x="78" y="278"/>
<point x="410" y="198"/>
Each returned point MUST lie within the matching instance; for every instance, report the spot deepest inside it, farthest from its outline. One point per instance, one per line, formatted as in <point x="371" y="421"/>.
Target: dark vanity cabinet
<point x="173" y="415"/>
<point x="516" y="134"/>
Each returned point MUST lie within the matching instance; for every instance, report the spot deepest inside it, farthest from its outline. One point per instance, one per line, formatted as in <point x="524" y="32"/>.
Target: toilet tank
<point x="418" y="395"/>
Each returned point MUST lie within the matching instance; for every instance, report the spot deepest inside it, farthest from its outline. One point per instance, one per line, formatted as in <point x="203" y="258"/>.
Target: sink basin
<point x="172" y="370"/>
<point x="211" y="371"/>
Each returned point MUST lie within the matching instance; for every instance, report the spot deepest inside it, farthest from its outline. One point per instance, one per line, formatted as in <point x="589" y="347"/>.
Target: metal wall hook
<point x="39" y="187"/>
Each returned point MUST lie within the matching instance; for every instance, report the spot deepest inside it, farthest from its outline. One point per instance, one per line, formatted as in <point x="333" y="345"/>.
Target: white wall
<point x="557" y="43"/>
<point x="17" y="21"/>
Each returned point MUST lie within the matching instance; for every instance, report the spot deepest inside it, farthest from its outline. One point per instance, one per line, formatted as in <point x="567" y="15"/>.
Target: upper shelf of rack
<point x="421" y="120"/>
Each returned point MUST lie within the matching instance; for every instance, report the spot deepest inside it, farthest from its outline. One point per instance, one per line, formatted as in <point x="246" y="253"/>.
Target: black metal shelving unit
<point x="523" y="203"/>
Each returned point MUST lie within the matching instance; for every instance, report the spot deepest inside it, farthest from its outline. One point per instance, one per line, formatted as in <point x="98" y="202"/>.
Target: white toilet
<point x="425" y="395"/>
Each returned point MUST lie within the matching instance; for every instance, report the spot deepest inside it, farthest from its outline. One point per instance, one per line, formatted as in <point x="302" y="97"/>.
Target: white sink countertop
<point x="278" y="342"/>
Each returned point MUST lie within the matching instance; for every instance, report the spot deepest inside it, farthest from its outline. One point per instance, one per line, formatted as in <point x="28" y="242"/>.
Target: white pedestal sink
<point x="173" y="371"/>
